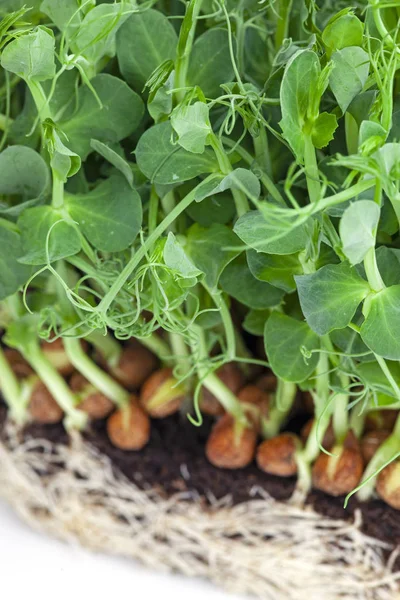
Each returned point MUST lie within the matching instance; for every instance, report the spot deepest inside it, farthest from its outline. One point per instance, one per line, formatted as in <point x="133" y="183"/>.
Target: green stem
<point x="340" y="412"/>
<point x="184" y="48"/>
<point x="371" y="269"/>
<point x="262" y="151"/>
<point x="96" y="376"/>
<point x="282" y="25"/>
<point x="11" y="391"/>
<point x="40" y="100"/>
<point x="311" y="169"/>
<point x="226" y="320"/>
<point x="168" y="204"/>
<point x="241" y="203"/>
<point x="385" y="453"/>
<point x="141" y="253"/>
<point x="284" y="399"/>
<point x="107" y="346"/>
<point x="213" y="383"/>
<point x="58" y="191"/>
<point x="158" y="346"/>
<point x="56" y="385"/>
<point x="351" y="129"/>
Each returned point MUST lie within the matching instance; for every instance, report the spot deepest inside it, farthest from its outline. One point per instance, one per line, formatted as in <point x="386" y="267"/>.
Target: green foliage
<point x="118" y="116"/>
<point x="164" y="162"/>
<point x="236" y="166"/>
<point x="291" y="347"/>
<point x="144" y="41"/>
<point x="329" y="297"/>
<point x="110" y="216"/>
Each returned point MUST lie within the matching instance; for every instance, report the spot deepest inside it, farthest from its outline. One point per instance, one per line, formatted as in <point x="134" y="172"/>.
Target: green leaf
<point x="238" y="281"/>
<point x="211" y="250"/>
<point x="388" y="261"/>
<point x="176" y="258"/>
<point x="273" y="237"/>
<point x="381" y="328"/>
<point x="349" y="74"/>
<point x="238" y="179"/>
<point x="350" y="342"/>
<point x="372" y="373"/>
<point x="371" y="136"/>
<point x="287" y="343"/>
<point x="357" y="228"/>
<point x="144" y="41"/>
<point x="323" y="129"/>
<point x="110" y="216"/>
<point x="31" y="55"/>
<point x="192" y="125"/>
<point x="255" y="320"/>
<point x="44" y="227"/>
<point x="95" y="37"/>
<point x="121" y="113"/>
<point x="274" y="269"/>
<point x="342" y="30"/>
<point x="114" y="158"/>
<point x="23" y="173"/>
<point x="164" y="162"/>
<point x="297" y="90"/>
<point x="329" y="297"/>
<point x="210" y="62"/>
<point x="219" y="208"/>
<point x="12" y="274"/>
<point x="64" y="13"/>
<point x="63" y="161"/>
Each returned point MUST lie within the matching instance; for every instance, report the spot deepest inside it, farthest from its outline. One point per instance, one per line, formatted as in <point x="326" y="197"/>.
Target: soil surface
<point x="174" y="461"/>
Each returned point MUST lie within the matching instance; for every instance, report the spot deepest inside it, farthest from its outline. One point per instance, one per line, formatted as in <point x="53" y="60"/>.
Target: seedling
<point x="170" y="201"/>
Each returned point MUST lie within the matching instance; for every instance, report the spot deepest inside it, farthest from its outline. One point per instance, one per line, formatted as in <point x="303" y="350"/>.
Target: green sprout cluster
<point x="196" y="175"/>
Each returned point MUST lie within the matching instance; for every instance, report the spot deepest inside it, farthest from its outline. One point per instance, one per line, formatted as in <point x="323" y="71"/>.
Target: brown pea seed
<point x="135" y="365"/>
<point x="381" y="419"/>
<point x="277" y="455"/>
<point x="230" y="445"/>
<point x="17" y="363"/>
<point x="388" y="484"/>
<point x="371" y="442"/>
<point x="339" y="474"/>
<point x="129" y="427"/>
<point x="95" y="404"/>
<point x="43" y="408"/>
<point x="159" y="396"/>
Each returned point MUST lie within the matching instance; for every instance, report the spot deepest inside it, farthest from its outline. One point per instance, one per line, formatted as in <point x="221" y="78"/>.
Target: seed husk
<point x="160" y="395"/>
<point x="339" y="474"/>
<point x="230" y="444"/>
<point x="128" y="428"/>
<point x="277" y="455"/>
<point x="135" y="365"/>
<point x="371" y="441"/>
<point x="388" y="484"/>
<point x="94" y="403"/>
<point x="42" y="407"/>
<point x="17" y="363"/>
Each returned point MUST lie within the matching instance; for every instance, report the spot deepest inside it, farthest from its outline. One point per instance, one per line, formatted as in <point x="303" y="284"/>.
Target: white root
<point x="264" y="548"/>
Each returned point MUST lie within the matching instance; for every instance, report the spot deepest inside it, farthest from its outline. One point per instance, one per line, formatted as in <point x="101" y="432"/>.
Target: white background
<point x="33" y="567"/>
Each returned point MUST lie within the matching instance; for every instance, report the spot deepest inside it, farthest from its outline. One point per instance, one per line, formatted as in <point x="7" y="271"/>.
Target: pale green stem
<point x="284" y="399"/>
<point x="96" y="376"/>
<point x="371" y="270"/>
<point x="311" y="169"/>
<point x="184" y="48"/>
<point x="56" y="385"/>
<point x="11" y="391"/>
<point x="241" y="203"/>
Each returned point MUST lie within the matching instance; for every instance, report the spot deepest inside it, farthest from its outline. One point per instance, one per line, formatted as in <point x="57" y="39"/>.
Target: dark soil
<point x="174" y="461"/>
